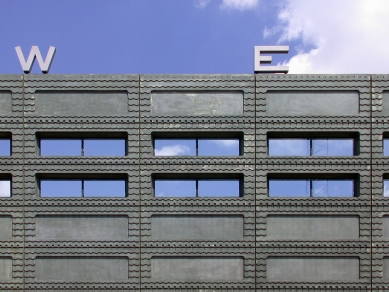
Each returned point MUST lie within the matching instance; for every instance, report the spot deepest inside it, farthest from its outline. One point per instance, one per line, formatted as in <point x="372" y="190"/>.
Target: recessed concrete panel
<point x="385" y="263"/>
<point x="313" y="269"/>
<point x="81" y="269"/>
<point x="5" y="228"/>
<point x="78" y="227"/>
<point x="81" y="103"/>
<point x="195" y="227"/>
<point x="214" y="103"/>
<point x="312" y="103"/>
<point x="312" y="227"/>
<point x="5" y="102"/>
<point x="385" y="226"/>
<point x="5" y="268"/>
<point x="197" y="269"/>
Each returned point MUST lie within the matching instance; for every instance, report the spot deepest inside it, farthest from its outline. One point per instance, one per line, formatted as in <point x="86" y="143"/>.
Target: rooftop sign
<point x="35" y="53"/>
<point x="259" y="59"/>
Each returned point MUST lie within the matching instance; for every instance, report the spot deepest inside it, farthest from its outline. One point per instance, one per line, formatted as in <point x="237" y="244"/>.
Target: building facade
<point x="254" y="240"/>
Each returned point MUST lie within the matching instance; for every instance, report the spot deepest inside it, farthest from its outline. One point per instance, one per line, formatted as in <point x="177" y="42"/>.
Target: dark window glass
<point x="199" y="147"/>
<point x="82" y="147"/>
<point x="197" y="188"/>
<point x="5" y="188"/>
<point x="311" y="188"/>
<point x="311" y="147"/>
<point x="5" y="147"/>
<point x="82" y="188"/>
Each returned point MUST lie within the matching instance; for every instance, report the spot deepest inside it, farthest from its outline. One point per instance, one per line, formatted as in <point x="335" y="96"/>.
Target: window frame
<point x="315" y="135"/>
<point x="7" y="136"/>
<point x="82" y="178"/>
<point x="316" y="176"/>
<point x="8" y="178"/>
<point x="199" y="136"/>
<point x="81" y="136"/>
<point x="199" y="177"/>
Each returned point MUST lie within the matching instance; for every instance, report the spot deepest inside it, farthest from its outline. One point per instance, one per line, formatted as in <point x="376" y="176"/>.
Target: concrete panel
<point x="310" y="103"/>
<point x="81" y="227"/>
<point x="5" y="228"/>
<point x="313" y="269"/>
<point x="197" y="268"/>
<point x="195" y="227"/>
<point x="81" y="269"/>
<point x="385" y="226"/>
<point x="81" y="103"/>
<point x="214" y="103"/>
<point x="5" y="268"/>
<point x="5" y="102"/>
<point x="312" y="227"/>
<point x="385" y="268"/>
<point x="385" y="103"/>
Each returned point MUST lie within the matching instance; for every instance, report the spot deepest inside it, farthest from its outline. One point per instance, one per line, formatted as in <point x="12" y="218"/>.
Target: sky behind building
<point x="196" y="36"/>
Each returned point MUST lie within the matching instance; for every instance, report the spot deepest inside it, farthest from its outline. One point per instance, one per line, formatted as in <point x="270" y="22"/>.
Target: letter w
<point x="35" y="53"/>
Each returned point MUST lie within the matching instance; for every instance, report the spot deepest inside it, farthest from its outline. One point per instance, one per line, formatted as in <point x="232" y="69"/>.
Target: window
<point x="311" y="187"/>
<point x="386" y="147"/>
<point x="311" y="147"/>
<point x="83" y="188"/>
<point x="188" y="187"/>
<point x="5" y="188"/>
<point x="5" y="144"/>
<point x="82" y="144"/>
<point x="197" y="144"/>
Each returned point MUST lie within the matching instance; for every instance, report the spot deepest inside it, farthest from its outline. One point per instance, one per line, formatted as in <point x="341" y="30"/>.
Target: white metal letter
<point x="35" y="53"/>
<point x="258" y="59"/>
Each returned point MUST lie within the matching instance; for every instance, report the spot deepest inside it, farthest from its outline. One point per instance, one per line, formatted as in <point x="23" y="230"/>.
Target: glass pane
<point x="332" y="147"/>
<point x="218" y="147"/>
<point x="174" y="147"/>
<point x="289" y="188"/>
<point x="289" y="147"/>
<point x="386" y="147"/>
<point x="219" y="188"/>
<point x="104" y="188"/>
<point x="386" y="188"/>
<point x="175" y="188"/>
<point x="5" y="188"/>
<point x="5" y="147"/>
<point x="61" y="188"/>
<point x="332" y="188"/>
<point x="61" y="147"/>
<point x="104" y="147"/>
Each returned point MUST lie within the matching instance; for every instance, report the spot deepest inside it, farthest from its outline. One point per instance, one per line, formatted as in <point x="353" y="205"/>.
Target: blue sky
<point x="196" y="36"/>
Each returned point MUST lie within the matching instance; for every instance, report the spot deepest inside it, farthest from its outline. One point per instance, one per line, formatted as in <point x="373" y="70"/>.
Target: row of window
<point x="194" y="187"/>
<point x="193" y="147"/>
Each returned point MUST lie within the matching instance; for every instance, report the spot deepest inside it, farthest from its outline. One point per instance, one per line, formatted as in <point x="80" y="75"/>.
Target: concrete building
<point x="323" y="227"/>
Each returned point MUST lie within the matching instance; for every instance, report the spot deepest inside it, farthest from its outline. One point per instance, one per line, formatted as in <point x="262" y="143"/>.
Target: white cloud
<point x="173" y="150"/>
<point x="239" y="4"/>
<point x="348" y="36"/>
<point x="201" y="3"/>
<point x="5" y="188"/>
<point x="226" y="142"/>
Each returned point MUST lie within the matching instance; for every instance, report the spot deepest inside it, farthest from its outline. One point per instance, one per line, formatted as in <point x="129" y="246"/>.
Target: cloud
<point x="201" y="3"/>
<point x="348" y="36"/>
<point x="5" y="188"/>
<point x="239" y="4"/>
<point x="226" y="142"/>
<point x="173" y="150"/>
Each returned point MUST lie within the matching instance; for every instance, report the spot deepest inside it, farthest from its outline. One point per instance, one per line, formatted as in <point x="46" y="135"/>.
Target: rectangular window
<point x="82" y="144"/>
<point x="386" y="147"/>
<point x="311" y="146"/>
<point x="5" y="146"/>
<point x="196" y="147"/>
<point x="386" y="187"/>
<point x="5" y="188"/>
<point x="82" y="188"/>
<point x="197" y="188"/>
<point x="311" y="187"/>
